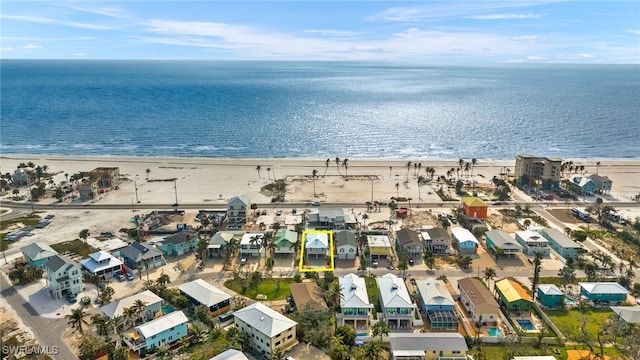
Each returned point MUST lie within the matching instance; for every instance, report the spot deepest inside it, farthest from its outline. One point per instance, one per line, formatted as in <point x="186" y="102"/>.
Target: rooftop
<point x="549" y="289"/>
<point x="512" y="291"/>
<point x="163" y="323"/>
<point x="231" y="354"/>
<point x="36" y="251"/>
<point x="473" y="201"/>
<point x="463" y="235"/>
<point x="478" y="294"/>
<point x="341" y="238"/>
<point x="420" y="343"/>
<point x="408" y="237"/>
<point x="116" y="308"/>
<point x="378" y="241"/>
<point x="204" y="293"/>
<point x="308" y="295"/>
<point x="354" y="292"/>
<point x="434" y="292"/>
<point x="531" y="236"/>
<point x="264" y="319"/>
<point x="559" y="238"/>
<point x="393" y="292"/>
<point x="316" y="241"/>
<point x="603" y="288"/>
<point x="503" y="240"/>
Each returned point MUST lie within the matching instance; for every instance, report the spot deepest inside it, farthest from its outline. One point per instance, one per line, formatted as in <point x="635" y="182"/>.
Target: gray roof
<point x="180" y="237"/>
<point x="549" y="289"/>
<point x="503" y="240"/>
<point x="57" y="262"/>
<point x="630" y="314"/>
<point x="264" y="319"/>
<point x="36" y="251"/>
<point x="438" y="233"/>
<point x="408" y="237"/>
<point x="342" y="238"/>
<point x="426" y="342"/>
<point x="559" y="238"/>
<point x="603" y="288"/>
<point x="116" y="308"/>
<point x="231" y="354"/>
<point x="244" y="199"/>
<point x="140" y="251"/>
<point x="204" y="293"/>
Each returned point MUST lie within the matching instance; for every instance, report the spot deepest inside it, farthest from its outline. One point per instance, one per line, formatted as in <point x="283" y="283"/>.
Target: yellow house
<point x="379" y="246"/>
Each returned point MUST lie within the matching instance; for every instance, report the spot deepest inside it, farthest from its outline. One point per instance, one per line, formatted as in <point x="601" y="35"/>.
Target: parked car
<point x="102" y="286"/>
<point x="129" y="276"/>
<point x="374" y="263"/>
<point x="411" y="262"/>
<point x="243" y="261"/>
<point x="72" y="299"/>
<point x="120" y="277"/>
<point x="278" y="212"/>
<point x="315" y="203"/>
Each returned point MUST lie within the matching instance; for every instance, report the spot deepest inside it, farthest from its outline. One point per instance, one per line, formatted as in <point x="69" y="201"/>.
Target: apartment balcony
<point x="134" y="341"/>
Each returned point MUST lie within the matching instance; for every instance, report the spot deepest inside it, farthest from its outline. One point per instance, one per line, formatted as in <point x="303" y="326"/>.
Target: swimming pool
<point x="569" y="301"/>
<point x="526" y="325"/>
<point x="362" y="334"/>
<point x="494" y="331"/>
<point x="167" y="309"/>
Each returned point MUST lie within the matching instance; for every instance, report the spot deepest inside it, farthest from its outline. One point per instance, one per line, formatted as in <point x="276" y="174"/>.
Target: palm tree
<point x="326" y="166"/>
<point x="473" y="164"/>
<point x="84" y="234"/>
<point x="408" y="168"/>
<point x="268" y="242"/>
<point x="537" y="266"/>
<point x="345" y="163"/>
<point x="76" y="319"/>
<point x="467" y="167"/>
<point x="597" y="166"/>
<point x="338" y="162"/>
<point x="129" y="314"/>
<point x="567" y="275"/>
<point x="364" y="220"/>
<point x="380" y="328"/>
<point x="390" y="168"/>
<point x="139" y="306"/>
<point x="148" y="171"/>
<point x="258" y="168"/>
<point x="277" y="354"/>
<point x="398" y="189"/>
<point x="314" y="175"/>
<point x="373" y="349"/>
<point x="106" y="295"/>
<point x="489" y="274"/>
<point x="422" y="181"/>
<point x="334" y="294"/>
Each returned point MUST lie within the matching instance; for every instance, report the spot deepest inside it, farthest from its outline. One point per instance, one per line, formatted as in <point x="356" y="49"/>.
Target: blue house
<point x="467" y="243"/>
<point x="606" y="293"/>
<point x="164" y="330"/>
<point x="179" y="243"/>
<point x="141" y="256"/>
<point x="549" y="295"/>
<point x="436" y="301"/>
<point x="559" y="242"/>
<point x="584" y="183"/>
<point x="37" y="254"/>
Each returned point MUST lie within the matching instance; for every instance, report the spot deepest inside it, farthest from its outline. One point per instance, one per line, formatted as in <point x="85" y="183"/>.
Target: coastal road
<point x="46" y="331"/>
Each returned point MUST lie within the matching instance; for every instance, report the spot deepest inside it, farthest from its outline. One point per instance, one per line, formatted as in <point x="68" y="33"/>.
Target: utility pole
<point x="372" y="190"/>
<point x="135" y="184"/>
<point x="33" y="211"/>
<point x="175" y="188"/>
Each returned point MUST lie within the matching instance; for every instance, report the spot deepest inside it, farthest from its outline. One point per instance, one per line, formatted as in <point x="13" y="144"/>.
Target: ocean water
<point x="318" y="109"/>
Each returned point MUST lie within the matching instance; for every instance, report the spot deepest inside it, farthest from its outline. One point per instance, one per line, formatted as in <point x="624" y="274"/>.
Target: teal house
<point x="37" y="254"/>
<point x="559" y="242"/>
<point x="162" y="331"/>
<point x="179" y="243"/>
<point x="549" y="295"/>
<point x="605" y="293"/>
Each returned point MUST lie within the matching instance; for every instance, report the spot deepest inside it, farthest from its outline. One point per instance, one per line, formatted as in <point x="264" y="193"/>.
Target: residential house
<point x="354" y="302"/>
<point x="397" y="308"/>
<point x="219" y="241"/>
<point x="37" y="254"/>
<point x="474" y="208"/>
<point x="436" y="240"/>
<point x="410" y="242"/>
<point x="103" y="264"/>
<point x="308" y="295"/>
<point x="231" y="354"/>
<point x="559" y="242"/>
<point x="609" y="293"/>
<point x="346" y="245"/>
<point x="331" y="219"/>
<point x="152" y="306"/>
<point x="379" y="246"/>
<point x="267" y="328"/>
<point x="107" y="177"/>
<point x="20" y="177"/>
<point x="141" y="256"/>
<point x="550" y="295"/>
<point x="532" y="242"/>
<point x="285" y="241"/>
<point x="545" y="170"/>
<point x="477" y="299"/>
<point x="502" y="243"/>
<point x="200" y="292"/>
<point x="428" y="346"/>
<point x="64" y="277"/>
<point x="238" y="210"/>
<point x="162" y="331"/>
<point x="466" y="242"/>
<point x="179" y="243"/>
<point x="88" y="189"/>
<point x="316" y="244"/>
<point x="512" y="295"/>
<point x="436" y="301"/>
<point x="251" y="245"/>
<point x="603" y="183"/>
<point x="628" y="314"/>
<point x="584" y="183"/>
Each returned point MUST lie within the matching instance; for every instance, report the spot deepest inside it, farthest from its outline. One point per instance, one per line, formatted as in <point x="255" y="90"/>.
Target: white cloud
<point x="339" y="33"/>
<point x="6" y="49"/>
<point x="41" y="20"/>
<point x="104" y="11"/>
<point x="504" y="16"/>
<point x="367" y="48"/>
<point x="635" y="32"/>
<point x="438" y="10"/>
<point x="79" y="54"/>
<point x="31" y="47"/>
<point x="526" y="38"/>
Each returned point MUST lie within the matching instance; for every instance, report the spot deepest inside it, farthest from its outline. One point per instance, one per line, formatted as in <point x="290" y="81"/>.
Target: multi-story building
<point x="477" y="299"/>
<point x="162" y="331"/>
<point x="345" y="244"/>
<point x="237" y="210"/>
<point x="532" y="242"/>
<point x="474" y="208"/>
<point x="603" y="183"/>
<point x="37" y="254"/>
<point x="103" y="264"/>
<point x="409" y="241"/>
<point x="201" y="292"/>
<point x="545" y="170"/>
<point x="436" y="240"/>
<point x="467" y="243"/>
<point x="398" y="310"/>
<point x="152" y="306"/>
<point x="428" y="346"/>
<point x="251" y="245"/>
<point x="267" y="328"/>
<point x="354" y="302"/>
<point x="502" y="243"/>
<point x="559" y="242"/>
<point x="64" y="277"/>
<point x="379" y="246"/>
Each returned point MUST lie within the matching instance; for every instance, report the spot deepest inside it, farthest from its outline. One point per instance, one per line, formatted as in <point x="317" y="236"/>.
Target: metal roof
<point x="630" y="314"/>
<point x="378" y="241"/>
<point x="463" y="235"/>
<point x="393" y="292"/>
<point x="549" y="289"/>
<point x="116" y="308"/>
<point x="166" y="322"/>
<point x="231" y="354"/>
<point x="559" y="238"/>
<point x="603" y="288"/>
<point x="316" y="241"/>
<point x="512" y="291"/>
<point x="264" y="319"/>
<point x="354" y="292"/>
<point x="434" y="292"/>
<point x="402" y="342"/>
<point x="36" y="251"/>
<point x="204" y="293"/>
<point x="503" y="240"/>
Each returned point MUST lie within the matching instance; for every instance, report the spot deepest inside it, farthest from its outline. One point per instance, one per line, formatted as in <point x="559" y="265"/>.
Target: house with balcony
<point x="200" y="292"/>
<point x="465" y="241"/>
<point x="180" y="243"/>
<point x="603" y="293"/>
<point x="152" y="306"/>
<point x="251" y="245"/>
<point x="550" y="295"/>
<point x="436" y="240"/>
<point x="501" y="243"/>
<point x="398" y="310"/>
<point x="103" y="264"/>
<point x="285" y="241"/>
<point x="603" y="183"/>
<point x="88" y="189"/>
<point x="219" y="241"/>
<point x="37" y="254"/>
<point x="106" y="177"/>
<point x="584" y="184"/>
<point x="379" y="246"/>
<point x="436" y="301"/>
<point x="478" y="301"/>
<point x="64" y="277"/>
<point x="561" y="244"/>
<point x="267" y="328"/>
<point x="238" y="208"/>
<point x="316" y="244"/>
<point x="532" y="168"/>
<point x="331" y="219"/>
<point x="141" y="256"/>
<point x="474" y="208"/>
<point x="20" y="177"/>
<point x="512" y="295"/>
<point x="346" y="245"/>
<point x="355" y="308"/>
<point x="409" y="241"/>
<point x="427" y="346"/>
<point x="151" y="335"/>
<point x="532" y="242"/>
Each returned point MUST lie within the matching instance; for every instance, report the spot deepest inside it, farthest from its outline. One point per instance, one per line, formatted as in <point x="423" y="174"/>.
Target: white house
<point x="354" y="302"/>
<point x="397" y="308"/>
<point x="533" y="242"/>
<point x="64" y="277"/>
<point x="267" y="328"/>
<point x="153" y="305"/>
<point x="103" y="264"/>
<point x="316" y="244"/>
<point x="238" y="210"/>
<point x="251" y="245"/>
<point x="201" y="292"/>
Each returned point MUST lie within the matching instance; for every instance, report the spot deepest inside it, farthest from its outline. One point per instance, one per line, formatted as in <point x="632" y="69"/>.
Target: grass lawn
<point x="507" y="351"/>
<point x="77" y="246"/>
<point x="372" y="291"/>
<point x="570" y="321"/>
<point x="267" y="287"/>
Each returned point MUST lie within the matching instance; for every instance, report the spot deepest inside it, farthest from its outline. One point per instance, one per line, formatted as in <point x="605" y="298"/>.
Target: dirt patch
<point x="564" y="215"/>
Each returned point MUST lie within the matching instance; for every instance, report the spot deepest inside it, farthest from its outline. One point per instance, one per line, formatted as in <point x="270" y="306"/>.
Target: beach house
<point x="64" y="278"/>
<point x="603" y="293"/>
<point x="561" y="244"/>
<point x="345" y="244"/>
<point x="545" y="170"/>
<point x="410" y="242"/>
<point x="152" y="306"/>
<point x="379" y="246"/>
<point x="285" y="241"/>
<point x="532" y="242"/>
<point x="501" y="243"/>
<point x="103" y="264"/>
<point x="238" y="210"/>
<point x="330" y="219"/>
<point x="465" y="241"/>
<point x="88" y="189"/>
<point x="398" y="309"/>
<point x="355" y="309"/>
<point x="316" y="244"/>
<point x="20" y="177"/>
<point x="474" y="208"/>
<point x="512" y="295"/>
<point x="428" y="346"/>
<point x="308" y="295"/>
<point x="219" y="241"/>
<point x="480" y="305"/>
<point x="603" y="183"/>
<point x="37" y="254"/>
<point x="162" y="331"/>
<point x="549" y="295"/>
<point x="584" y="183"/>
<point x="251" y="245"/>
<point x="180" y="243"/>
<point x="106" y="177"/>
<point x="436" y="301"/>
<point x="200" y="292"/>
<point x="267" y="329"/>
<point x="141" y="256"/>
<point x="436" y="240"/>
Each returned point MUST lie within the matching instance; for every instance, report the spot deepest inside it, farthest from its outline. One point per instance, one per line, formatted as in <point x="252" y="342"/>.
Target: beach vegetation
<point x="76" y="246"/>
<point x="275" y="188"/>
<point x="23" y="275"/>
<point x="316" y="326"/>
<point x="163" y="180"/>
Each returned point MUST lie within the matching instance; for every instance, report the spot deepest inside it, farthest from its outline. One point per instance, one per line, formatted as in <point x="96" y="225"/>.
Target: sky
<point x="524" y="31"/>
